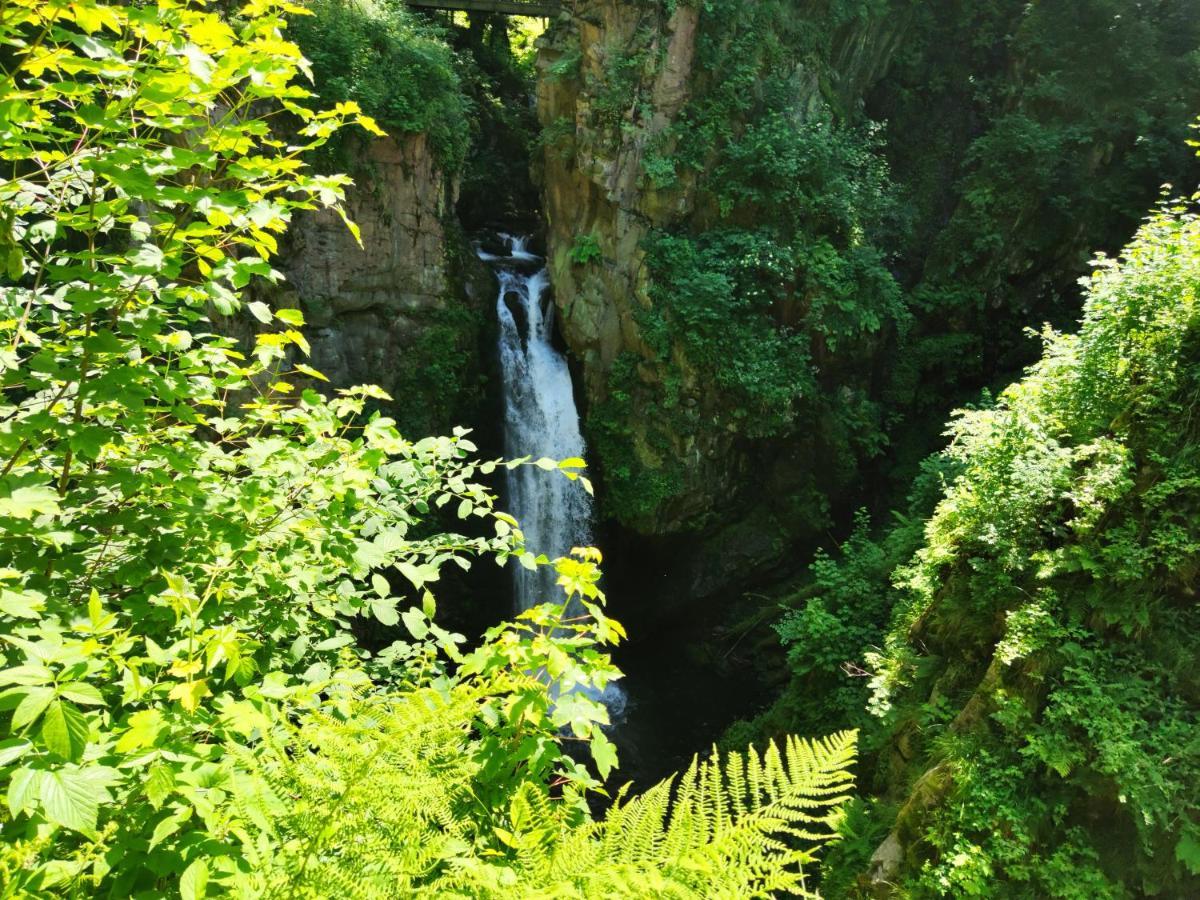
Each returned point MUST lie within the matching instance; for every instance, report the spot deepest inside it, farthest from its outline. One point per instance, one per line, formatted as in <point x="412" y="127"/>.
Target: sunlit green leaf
<point x="64" y="730"/>
<point x="70" y="799"/>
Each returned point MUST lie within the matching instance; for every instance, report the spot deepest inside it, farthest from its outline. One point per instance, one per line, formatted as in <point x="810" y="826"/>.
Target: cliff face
<point x="406" y="309"/>
<point x="626" y="90"/>
<point x="599" y="206"/>
<point x="594" y="183"/>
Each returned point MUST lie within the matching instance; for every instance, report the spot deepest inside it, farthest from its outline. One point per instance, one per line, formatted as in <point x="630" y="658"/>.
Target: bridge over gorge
<point x="538" y="8"/>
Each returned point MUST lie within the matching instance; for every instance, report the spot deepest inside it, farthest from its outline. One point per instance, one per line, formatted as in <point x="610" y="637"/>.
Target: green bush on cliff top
<point x="398" y="69"/>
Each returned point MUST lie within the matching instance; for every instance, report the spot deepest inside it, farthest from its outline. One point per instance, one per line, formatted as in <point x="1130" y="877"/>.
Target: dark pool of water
<point x="678" y="705"/>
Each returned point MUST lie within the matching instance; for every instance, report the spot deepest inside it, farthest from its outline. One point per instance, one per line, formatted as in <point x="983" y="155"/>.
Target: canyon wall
<point x="783" y="249"/>
<point x="623" y="91"/>
<point x="406" y="310"/>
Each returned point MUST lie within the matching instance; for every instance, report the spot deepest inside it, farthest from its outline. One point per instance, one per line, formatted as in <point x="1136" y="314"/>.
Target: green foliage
<point x="815" y="274"/>
<point x="496" y="57"/>
<point x="398" y="69"/>
<point x="186" y="540"/>
<point x="837" y="617"/>
<point x="585" y="249"/>
<point x="634" y="489"/>
<point x="1018" y="150"/>
<point x="384" y="800"/>
<point x="440" y="380"/>
<point x="615" y="91"/>
<point x="774" y="286"/>
<point x="716" y="296"/>
<point x="827" y="636"/>
<point x="566" y="66"/>
<point x="1048" y="620"/>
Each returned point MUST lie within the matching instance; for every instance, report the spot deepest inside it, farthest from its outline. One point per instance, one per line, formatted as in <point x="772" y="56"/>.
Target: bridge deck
<point x="537" y="8"/>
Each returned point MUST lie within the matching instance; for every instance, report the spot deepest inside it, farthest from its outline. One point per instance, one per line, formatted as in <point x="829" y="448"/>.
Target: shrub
<point x="399" y="70"/>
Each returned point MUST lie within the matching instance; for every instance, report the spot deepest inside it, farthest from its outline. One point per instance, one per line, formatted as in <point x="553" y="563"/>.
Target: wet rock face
<point x="372" y="310"/>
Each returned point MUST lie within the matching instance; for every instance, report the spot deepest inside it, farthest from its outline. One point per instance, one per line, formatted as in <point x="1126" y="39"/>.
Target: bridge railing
<point x="537" y="8"/>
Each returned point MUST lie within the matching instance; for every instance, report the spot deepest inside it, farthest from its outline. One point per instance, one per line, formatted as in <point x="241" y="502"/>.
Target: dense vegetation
<point x="189" y="542"/>
<point x="1052" y="602"/>
<point x="857" y="255"/>
<point x="396" y="68"/>
<point x="1040" y="140"/>
<point x="1020" y="659"/>
<point x="773" y="280"/>
<point x="1032" y="662"/>
<point x="464" y="87"/>
<point x="860" y="256"/>
<point x="225" y="670"/>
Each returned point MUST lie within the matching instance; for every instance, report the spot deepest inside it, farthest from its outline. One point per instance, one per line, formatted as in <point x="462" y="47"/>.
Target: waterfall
<point x="540" y="419"/>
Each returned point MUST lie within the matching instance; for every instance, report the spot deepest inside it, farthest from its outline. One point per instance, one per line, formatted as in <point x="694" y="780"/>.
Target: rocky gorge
<point x="775" y="272"/>
<point x="600" y="448"/>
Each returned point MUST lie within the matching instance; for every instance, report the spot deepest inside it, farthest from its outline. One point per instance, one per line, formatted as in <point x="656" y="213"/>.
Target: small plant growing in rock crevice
<point x="585" y="249"/>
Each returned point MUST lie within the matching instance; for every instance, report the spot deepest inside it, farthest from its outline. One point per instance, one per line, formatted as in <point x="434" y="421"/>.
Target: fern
<point x="357" y="808"/>
<point x="459" y="787"/>
<point x="744" y="826"/>
<point x="383" y="804"/>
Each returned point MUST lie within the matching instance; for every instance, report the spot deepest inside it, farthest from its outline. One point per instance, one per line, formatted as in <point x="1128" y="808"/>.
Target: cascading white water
<point x="540" y="419"/>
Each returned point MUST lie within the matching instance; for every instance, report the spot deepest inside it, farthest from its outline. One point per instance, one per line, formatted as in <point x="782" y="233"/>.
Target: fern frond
<point x="382" y="804"/>
<point x="733" y="826"/>
<point x="362" y="807"/>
